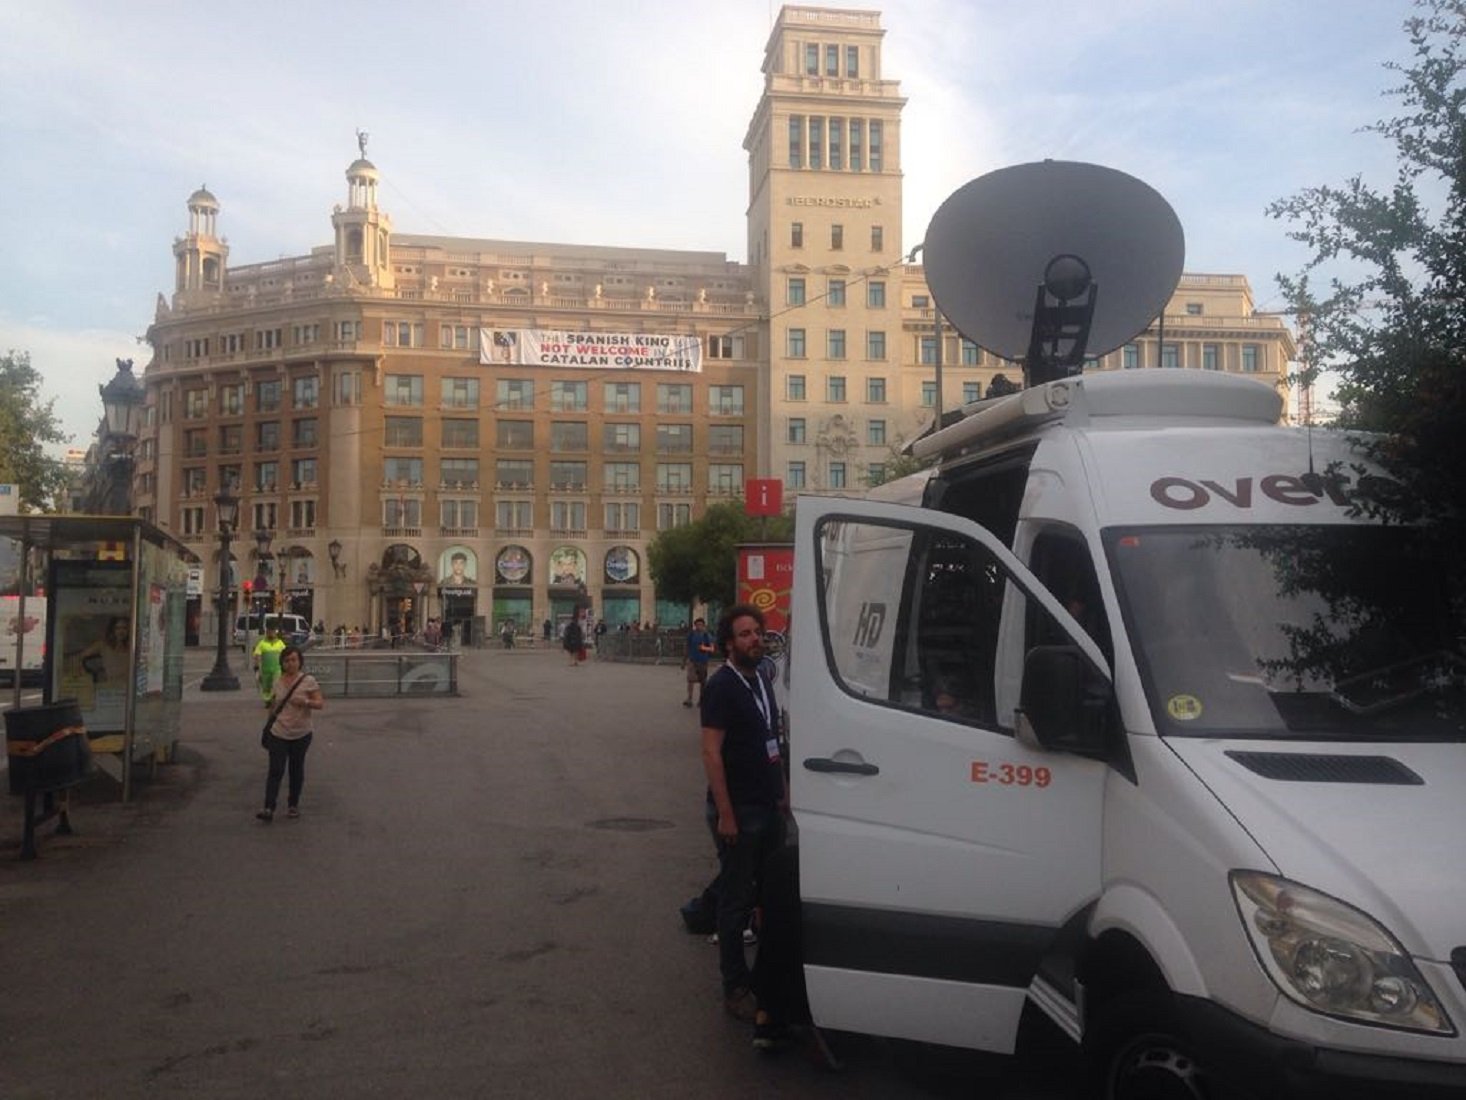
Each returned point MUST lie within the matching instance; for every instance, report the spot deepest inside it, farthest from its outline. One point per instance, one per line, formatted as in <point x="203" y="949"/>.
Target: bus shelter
<point x="97" y="616"/>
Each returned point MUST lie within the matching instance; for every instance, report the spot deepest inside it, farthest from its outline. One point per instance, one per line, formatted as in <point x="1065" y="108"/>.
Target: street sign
<point x="763" y="496"/>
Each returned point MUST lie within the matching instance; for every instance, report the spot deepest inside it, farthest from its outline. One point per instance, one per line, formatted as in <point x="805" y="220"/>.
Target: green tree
<point x="899" y="464"/>
<point x="1390" y="320"/>
<point x="699" y="561"/>
<point x="26" y="424"/>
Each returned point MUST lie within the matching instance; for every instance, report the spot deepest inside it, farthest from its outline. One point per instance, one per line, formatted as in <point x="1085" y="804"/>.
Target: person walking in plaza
<point x="574" y="640"/>
<point x="289" y="730"/>
<point x="747" y="794"/>
<point x="267" y="662"/>
<point x="695" y="660"/>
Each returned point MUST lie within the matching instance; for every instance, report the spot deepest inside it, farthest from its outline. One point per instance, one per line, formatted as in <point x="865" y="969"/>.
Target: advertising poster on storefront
<point x="765" y="578"/>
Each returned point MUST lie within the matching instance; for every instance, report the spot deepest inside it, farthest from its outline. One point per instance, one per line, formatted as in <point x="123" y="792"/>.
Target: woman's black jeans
<point x="285" y="752"/>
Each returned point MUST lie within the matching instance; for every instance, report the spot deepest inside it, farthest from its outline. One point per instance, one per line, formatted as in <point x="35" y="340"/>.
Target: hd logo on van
<point x="869" y="625"/>
<point x="1185" y="495"/>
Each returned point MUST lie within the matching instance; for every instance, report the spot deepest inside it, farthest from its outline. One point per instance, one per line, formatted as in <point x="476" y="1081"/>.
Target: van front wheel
<point x="1136" y="1050"/>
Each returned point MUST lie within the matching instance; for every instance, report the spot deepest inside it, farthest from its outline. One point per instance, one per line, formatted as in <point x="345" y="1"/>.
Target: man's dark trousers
<point x="760" y="834"/>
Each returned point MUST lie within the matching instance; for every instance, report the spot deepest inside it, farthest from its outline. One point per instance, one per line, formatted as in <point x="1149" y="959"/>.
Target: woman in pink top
<point x="296" y="695"/>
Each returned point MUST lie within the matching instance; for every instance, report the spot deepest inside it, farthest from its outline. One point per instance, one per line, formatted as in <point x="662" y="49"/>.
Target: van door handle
<point x="825" y="764"/>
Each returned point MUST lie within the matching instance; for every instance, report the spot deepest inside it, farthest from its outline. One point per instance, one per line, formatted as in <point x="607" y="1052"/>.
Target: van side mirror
<point x="1062" y="702"/>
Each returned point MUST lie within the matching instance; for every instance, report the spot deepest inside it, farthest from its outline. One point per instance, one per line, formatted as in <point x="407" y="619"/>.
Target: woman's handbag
<point x="275" y="711"/>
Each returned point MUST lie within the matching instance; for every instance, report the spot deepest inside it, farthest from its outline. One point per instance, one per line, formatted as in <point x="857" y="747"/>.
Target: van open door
<point x="940" y="855"/>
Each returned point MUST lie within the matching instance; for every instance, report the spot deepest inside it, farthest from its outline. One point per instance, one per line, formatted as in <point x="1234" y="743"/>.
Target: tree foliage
<point x="1382" y="300"/>
<point x="899" y="464"/>
<point x="698" y="562"/>
<point x="26" y="424"/>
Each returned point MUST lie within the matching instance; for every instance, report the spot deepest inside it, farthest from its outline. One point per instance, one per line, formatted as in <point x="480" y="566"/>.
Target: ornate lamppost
<point x="122" y="403"/>
<point x="221" y="678"/>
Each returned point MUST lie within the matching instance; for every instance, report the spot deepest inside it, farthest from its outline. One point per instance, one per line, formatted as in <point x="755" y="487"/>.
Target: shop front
<point x="513" y="591"/>
<point x="298" y="578"/>
<point x="621" y="587"/>
<point x="458" y="592"/>
<point x="567" y="589"/>
<point x="397" y="585"/>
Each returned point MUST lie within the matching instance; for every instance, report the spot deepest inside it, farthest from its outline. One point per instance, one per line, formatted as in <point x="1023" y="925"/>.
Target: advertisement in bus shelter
<point x="90" y="637"/>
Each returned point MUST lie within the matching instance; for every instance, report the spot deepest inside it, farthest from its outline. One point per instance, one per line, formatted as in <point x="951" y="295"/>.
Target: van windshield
<point x="1339" y="631"/>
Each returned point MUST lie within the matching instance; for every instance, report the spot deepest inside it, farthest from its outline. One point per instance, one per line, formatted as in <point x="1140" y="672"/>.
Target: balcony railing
<point x="514" y="532"/>
<point x="300" y="532"/>
<point x="568" y="532"/>
<point x="569" y="487"/>
<point x="622" y="490"/>
<point x="458" y="532"/>
<point x="401" y="532"/>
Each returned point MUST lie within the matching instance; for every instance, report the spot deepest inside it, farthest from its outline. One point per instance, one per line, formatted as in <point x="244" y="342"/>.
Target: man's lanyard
<point x="765" y="708"/>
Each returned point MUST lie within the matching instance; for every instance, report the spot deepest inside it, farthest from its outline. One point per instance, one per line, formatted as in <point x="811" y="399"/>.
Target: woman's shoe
<point x="266" y="814"/>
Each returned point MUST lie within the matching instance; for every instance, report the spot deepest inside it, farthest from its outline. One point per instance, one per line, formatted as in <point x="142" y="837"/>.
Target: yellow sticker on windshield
<point x="1184" y="708"/>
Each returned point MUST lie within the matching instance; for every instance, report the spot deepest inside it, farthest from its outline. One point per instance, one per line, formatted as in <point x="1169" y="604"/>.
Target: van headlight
<point x="1332" y="958"/>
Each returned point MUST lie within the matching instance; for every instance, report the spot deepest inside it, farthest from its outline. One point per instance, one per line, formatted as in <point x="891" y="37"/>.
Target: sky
<point x="614" y="122"/>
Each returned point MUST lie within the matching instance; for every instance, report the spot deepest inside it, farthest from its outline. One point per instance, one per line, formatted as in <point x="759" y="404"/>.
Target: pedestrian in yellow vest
<point x="267" y="661"/>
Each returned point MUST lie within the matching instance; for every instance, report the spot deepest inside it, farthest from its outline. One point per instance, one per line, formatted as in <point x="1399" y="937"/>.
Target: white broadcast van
<point x="1126" y="710"/>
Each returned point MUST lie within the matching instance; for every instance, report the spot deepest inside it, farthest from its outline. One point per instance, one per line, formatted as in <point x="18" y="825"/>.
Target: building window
<point x="265" y="514"/>
<point x="837" y="475"/>
<point x="305" y="392"/>
<point x="196" y="442"/>
<point x="623" y="517"/>
<point x="401" y="512"/>
<point x="875" y="345"/>
<point x="877" y="233"/>
<point x="725" y="439"/>
<point x="267" y="435"/>
<point x="927" y="350"/>
<point x="195" y="480"/>
<point x="796" y="141"/>
<point x="195" y="404"/>
<point x="857" y="127"/>
<point x="623" y="476"/>
<point x="971" y="355"/>
<point x="348" y="331"/>
<point x="725" y="478"/>
<point x="835" y="388"/>
<point x="402" y="389"/>
<point x="514" y="473"/>
<point x="231" y="400"/>
<point x="674" y="439"/>
<point x="796" y="343"/>
<point x="567" y="515"/>
<point x="852" y="61"/>
<point x="567" y="475"/>
<point x="673" y="515"/>
<point x="795" y="476"/>
<point x="875" y="294"/>
<point x="458" y="515"/>
<point x="569" y="396"/>
<point x="303" y="432"/>
<point x="971" y="391"/>
<point x="303" y="514"/>
<point x="836" y="342"/>
<point x="1249" y="359"/>
<point x="725" y="347"/>
<point x="232" y="475"/>
<point x="348" y="387"/>
<point x="1130" y="356"/>
<point x="1193" y="309"/>
<point x="406" y="472"/>
<point x="458" y="473"/>
<point x="725" y="400"/>
<point x="928" y="394"/>
<point x="302" y="473"/>
<point x="231" y="440"/>
<point x="267" y="476"/>
<point x="1210" y="359"/>
<point x="796" y="234"/>
<point x="816" y="143"/>
<point x="402" y="334"/>
<point x="811" y="59"/>
<point x="624" y="397"/>
<point x="875" y="473"/>
<point x="460" y="393"/>
<point x="921" y="301"/>
<point x="837" y="139"/>
<point x="835" y="292"/>
<point x="875" y="158"/>
<point x="621" y="438"/>
<point x="832" y="60"/>
<point x="674" y="477"/>
<point x="514" y="515"/>
<point x="875" y="391"/>
<point x="267" y="395"/>
<point x="674" y="397"/>
<point x="569" y="435"/>
<point x="514" y="393"/>
<point x="795" y="294"/>
<point x="794" y="387"/>
<point x="1170" y="356"/>
<point x="514" y="435"/>
<point x="796" y="429"/>
<point x="457" y="337"/>
<point x="403" y="431"/>
<point x="460" y="433"/>
<point x="193" y="520"/>
<point x="267" y="339"/>
<point x="875" y="433"/>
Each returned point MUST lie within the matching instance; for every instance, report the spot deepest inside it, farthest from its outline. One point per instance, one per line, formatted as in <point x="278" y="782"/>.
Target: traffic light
<point x="247" y="586"/>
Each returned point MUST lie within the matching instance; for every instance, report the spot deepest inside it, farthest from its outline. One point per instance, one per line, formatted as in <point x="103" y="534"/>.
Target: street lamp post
<point x="221" y="677"/>
<point x="122" y="402"/>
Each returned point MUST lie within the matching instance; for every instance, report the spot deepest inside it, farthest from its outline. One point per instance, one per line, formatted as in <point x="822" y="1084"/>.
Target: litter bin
<point x="47" y="751"/>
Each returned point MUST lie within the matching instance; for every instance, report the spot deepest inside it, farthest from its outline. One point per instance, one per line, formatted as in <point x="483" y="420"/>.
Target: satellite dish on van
<point x="1050" y="253"/>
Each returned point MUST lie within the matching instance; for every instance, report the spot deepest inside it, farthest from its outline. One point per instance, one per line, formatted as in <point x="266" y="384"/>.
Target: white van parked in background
<point x="1125" y="711"/>
<point x="248" y="628"/>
